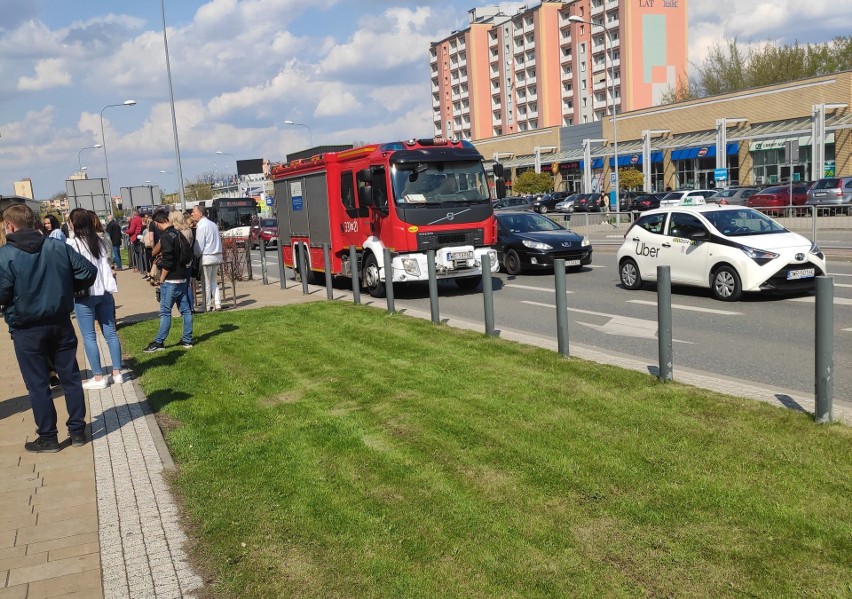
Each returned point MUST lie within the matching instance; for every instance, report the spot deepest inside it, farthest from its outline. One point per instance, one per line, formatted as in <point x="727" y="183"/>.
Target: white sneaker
<point x="96" y="384"/>
<point x="118" y="379"/>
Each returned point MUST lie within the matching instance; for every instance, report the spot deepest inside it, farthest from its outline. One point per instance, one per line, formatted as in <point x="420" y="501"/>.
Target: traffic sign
<point x="612" y="178"/>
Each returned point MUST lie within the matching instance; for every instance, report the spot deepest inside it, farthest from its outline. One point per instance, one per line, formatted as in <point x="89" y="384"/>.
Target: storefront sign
<point x="828" y="169"/>
<point x="702" y="151"/>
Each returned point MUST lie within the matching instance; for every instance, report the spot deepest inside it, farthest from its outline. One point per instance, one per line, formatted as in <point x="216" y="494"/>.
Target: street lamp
<point x="577" y="19"/>
<point x="80" y="162"/>
<point x="310" y="135"/>
<point x="103" y="143"/>
<point x="646" y="156"/>
<point x="220" y="153"/>
<point x="172" y="104"/>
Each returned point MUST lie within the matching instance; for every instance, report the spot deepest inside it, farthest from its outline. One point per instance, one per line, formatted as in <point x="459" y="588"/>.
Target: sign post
<point x="720" y="177"/>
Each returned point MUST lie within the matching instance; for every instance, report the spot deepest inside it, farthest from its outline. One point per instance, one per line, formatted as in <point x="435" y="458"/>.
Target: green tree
<point x="732" y="67"/>
<point x="630" y="178"/>
<point x="532" y="182"/>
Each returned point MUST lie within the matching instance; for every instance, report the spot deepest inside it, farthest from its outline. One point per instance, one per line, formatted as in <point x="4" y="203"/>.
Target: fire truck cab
<point x="409" y="197"/>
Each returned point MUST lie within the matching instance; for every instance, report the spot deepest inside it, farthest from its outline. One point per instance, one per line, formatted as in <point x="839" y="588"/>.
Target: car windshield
<point x="268" y="222"/>
<point x="439" y="183"/>
<point x="738" y="223"/>
<point x="527" y="223"/>
<point x="675" y="195"/>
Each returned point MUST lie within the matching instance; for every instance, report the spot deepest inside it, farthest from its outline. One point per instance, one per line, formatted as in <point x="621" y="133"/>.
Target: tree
<point x="730" y="67"/>
<point x="630" y="178"/>
<point x="532" y="182"/>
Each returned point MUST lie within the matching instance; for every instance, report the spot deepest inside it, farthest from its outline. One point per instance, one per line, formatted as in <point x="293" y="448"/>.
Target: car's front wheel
<point x="629" y="274"/>
<point x="542" y="210"/>
<point x="725" y="284"/>
<point x="512" y="262"/>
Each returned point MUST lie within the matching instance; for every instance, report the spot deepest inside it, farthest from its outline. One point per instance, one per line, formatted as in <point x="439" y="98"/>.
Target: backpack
<point x="184" y="251"/>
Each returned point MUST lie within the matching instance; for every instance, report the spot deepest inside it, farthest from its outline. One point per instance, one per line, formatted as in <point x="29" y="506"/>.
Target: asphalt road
<point x="763" y="338"/>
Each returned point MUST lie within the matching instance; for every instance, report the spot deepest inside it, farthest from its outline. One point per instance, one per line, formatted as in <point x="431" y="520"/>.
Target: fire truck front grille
<point x="434" y="241"/>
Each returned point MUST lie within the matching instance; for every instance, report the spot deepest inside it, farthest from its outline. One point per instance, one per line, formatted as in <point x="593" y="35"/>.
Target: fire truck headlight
<point x="411" y="266"/>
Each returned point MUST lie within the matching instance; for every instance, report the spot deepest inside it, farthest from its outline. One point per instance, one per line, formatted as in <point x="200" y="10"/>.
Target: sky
<point x="347" y="71"/>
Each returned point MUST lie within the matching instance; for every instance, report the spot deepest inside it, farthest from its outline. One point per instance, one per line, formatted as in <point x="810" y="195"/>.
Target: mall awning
<point x="708" y="151"/>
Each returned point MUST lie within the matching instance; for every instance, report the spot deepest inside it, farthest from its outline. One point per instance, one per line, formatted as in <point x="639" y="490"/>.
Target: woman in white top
<point x="99" y="304"/>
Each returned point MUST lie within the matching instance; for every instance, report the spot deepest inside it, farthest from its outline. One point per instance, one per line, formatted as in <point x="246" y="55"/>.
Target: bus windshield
<point x="439" y="183"/>
<point x="240" y="216"/>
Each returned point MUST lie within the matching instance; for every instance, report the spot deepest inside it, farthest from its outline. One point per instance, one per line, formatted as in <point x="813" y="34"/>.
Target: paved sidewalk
<point x="100" y="521"/>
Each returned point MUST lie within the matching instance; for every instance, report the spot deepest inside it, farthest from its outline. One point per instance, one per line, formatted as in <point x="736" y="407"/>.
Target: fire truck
<point x="409" y="197"/>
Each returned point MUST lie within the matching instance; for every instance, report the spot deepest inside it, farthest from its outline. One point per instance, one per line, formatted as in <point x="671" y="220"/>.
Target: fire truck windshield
<point x="439" y="183"/>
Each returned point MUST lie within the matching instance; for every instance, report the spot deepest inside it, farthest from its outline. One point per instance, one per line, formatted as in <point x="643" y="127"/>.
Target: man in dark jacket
<point x="175" y="253"/>
<point x="38" y="277"/>
<point x="113" y="229"/>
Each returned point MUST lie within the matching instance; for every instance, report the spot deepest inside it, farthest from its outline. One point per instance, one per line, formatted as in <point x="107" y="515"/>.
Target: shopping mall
<point x="743" y="138"/>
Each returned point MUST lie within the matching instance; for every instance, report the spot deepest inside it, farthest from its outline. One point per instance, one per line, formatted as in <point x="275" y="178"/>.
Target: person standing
<point x="99" y="305"/>
<point x="53" y="228"/>
<point x="38" y="277"/>
<point x="113" y="229"/>
<point x="175" y="254"/>
<point x="208" y="247"/>
<point x="134" y="232"/>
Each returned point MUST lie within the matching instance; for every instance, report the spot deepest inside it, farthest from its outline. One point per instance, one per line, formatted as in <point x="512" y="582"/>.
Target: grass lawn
<point x="332" y="450"/>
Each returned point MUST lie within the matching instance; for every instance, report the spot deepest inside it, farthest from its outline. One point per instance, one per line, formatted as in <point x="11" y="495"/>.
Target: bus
<point x="228" y="213"/>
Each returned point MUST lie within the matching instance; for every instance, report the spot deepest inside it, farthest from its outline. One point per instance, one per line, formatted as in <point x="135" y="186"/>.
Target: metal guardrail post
<point x="326" y="256"/>
<point x="282" y="270"/>
<point x="664" y="322"/>
<point x="488" y="294"/>
<point x="433" y="287"/>
<point x="389" y="280"/>
<point x="263" y="270"/>
<point x="248" y="257"/>
<point x="824" y="350"/>
<point x="356" y="277"/>
<point x="561" y="307"/>
<point x="303" y="269"/>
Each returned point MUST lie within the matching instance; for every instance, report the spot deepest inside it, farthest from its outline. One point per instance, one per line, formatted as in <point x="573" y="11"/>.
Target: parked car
<point x="835" y="192"/>
<point x="263" y="229"/>
<point x="513" y="202"/>
<point x="545" y="203"/>
<point x="778" y="198"/>
<point x="735" y="196"/>
<point x="728" y="249"/>
<point x="526" y="240"/>
<point x="645" y="202"/>
<point x="566" y="204"/>
<point x="625" y="197"/>
<point x="590" y="202"/>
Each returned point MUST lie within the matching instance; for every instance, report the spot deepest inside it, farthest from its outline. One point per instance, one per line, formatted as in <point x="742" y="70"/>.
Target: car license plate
<point x="459" y="256"/>
<point x="803" y="273"/>
<point x="572" y="263"/>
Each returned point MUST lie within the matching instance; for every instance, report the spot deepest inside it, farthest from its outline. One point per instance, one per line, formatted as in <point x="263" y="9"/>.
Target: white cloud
<point x="48" y="73"/>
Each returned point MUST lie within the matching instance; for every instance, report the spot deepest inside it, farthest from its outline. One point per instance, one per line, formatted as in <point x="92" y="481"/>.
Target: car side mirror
<point x="699" y="235"/>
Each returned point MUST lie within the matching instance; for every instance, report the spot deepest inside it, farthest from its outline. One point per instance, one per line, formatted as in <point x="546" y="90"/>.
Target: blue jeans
<point x="171" y="294"/>
<point x="116" y="256"/>
<point x="101" y="309"/>
<point x="34" y="347"/>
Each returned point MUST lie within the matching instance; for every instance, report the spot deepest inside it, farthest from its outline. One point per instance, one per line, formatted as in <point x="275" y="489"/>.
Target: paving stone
<point x="66" y="552"/>
<point x="71" y="583"/>
<point x="22" y="561"/>
<point x="52" y="570"/>
<point x="76" y="511"/>
<point x="62" y="542"/>
<point x="15" y="522"/>
<point x="56" y="530"/>
<point x="16" y="592"/>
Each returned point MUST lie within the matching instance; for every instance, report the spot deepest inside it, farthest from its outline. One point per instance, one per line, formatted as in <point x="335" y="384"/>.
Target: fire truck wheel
<point x="372" y="282"/>
<point x="512" y="262"/>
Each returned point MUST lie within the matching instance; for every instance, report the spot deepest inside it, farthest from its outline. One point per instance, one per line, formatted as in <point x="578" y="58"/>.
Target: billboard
<point x="91" y="194"/>
<point x="250" y="167"/>
<point x="140" y="195"/>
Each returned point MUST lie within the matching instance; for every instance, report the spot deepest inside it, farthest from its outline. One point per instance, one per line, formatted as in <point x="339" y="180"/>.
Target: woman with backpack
<point x="96" y="304"/>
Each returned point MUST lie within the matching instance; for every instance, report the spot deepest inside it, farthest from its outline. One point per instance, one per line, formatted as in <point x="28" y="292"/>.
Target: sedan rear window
<point x="827" y="184"/>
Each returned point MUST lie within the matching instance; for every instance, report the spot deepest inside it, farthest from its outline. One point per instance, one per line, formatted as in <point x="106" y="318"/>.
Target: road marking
<point x="616" y="325"/>
<point x="843" y="285"/>
<point x="839" y="301"/>
<point x="528" y="288"/>
<point x="838" y="274"/>
<point x="850" y="330"/>
<point x="602" y="266"/>
<point x="615" y="236"/>
<point x="690" y="308"/>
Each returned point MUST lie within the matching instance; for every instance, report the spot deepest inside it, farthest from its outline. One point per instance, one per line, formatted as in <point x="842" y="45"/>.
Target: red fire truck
<point x="409" y="197"/>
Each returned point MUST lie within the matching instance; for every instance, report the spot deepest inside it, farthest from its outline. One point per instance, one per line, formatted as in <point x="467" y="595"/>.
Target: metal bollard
<point x="488" y="294"/>
<point x="282" y="269"/>
<point x="326" y="255"/>
<point x="824" y="350"/>
<point x="561" y="307"/>
<point x="389" y="280"/>
<point x="249" y="276"/>
<point x="203" y="287"/>
<point x="664" y="322"/>
<point x="263" y="270"/>
<point x="356" y="277"/>
<point x="303" y="268"/>
<point x="433" y="287"/>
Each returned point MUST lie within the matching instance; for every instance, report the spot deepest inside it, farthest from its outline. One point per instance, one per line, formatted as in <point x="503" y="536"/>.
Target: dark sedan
<point x="590" y="202"/>
<point x="526" y="240"/>
<point x="645" y="202"/>
<point x="513" y="203"/>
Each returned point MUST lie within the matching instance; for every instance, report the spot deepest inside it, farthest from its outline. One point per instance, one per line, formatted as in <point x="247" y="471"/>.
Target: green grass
<point x="331" y="450"/>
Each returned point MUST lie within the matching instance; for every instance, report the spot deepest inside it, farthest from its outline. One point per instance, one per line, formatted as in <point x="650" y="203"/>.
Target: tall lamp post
<point x="103" y="143"/>
<point x="607" y="38"/>
<point x="172" y="104"/>
<point x="79" y="161"/>
<point x="310" y="135"/>
<point x="722" y="142"/>
<point x="647" y="170"/>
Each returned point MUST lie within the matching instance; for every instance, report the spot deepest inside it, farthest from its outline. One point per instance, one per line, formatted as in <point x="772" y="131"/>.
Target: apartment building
<point x="538" y="68"/>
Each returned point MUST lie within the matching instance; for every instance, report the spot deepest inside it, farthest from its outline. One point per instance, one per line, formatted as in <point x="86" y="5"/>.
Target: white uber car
<point x="729" y="249"/>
